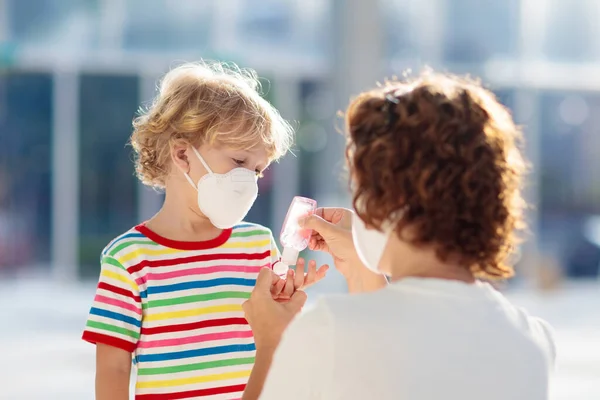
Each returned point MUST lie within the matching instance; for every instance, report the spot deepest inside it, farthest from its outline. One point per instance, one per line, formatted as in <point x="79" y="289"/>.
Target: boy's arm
<point x="114" y="326"/>
<point x="113" y="370"/>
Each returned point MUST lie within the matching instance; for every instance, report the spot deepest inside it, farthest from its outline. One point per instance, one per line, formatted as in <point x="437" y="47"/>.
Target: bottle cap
<point x="289" y="256"/>
<point x="280" y="269"/>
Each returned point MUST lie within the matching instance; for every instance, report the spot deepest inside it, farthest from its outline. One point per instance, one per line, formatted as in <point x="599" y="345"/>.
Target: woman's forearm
<point x="262" y="363"/>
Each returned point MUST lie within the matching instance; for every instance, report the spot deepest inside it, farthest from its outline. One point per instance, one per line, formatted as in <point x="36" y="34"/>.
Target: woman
<point x="436" y="183"/>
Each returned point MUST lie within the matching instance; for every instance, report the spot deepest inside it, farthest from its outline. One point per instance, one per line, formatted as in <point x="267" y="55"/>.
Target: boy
<point x="171" y="289"/>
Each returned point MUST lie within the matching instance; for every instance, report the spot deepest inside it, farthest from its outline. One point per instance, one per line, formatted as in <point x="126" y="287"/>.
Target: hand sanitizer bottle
<point x="293" y="238"/>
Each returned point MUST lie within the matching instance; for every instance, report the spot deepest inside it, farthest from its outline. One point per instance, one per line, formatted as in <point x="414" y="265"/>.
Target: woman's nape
<point x="402" y="259"/>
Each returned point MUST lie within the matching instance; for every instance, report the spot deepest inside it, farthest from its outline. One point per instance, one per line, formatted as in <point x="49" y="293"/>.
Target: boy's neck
<point x="176" y="220"/>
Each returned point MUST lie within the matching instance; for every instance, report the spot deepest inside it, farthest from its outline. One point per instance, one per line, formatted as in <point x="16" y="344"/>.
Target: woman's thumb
<point x="265" y="279"/>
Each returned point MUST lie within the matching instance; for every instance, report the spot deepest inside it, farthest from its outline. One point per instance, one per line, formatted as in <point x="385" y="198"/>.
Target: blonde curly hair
<point x="205" y="102"/>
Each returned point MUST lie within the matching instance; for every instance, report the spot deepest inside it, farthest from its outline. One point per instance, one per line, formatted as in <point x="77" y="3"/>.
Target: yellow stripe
<point x="147" y="252"/>
<point x="245" y="245"/>
<point x="165" y="251"/>
<point x="119" y="277"/>
<point x="192" y="380"/>
<point x="193" y="313"/>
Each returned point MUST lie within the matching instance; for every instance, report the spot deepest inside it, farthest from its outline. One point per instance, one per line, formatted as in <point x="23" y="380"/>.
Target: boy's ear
<point x="179" y="155"/>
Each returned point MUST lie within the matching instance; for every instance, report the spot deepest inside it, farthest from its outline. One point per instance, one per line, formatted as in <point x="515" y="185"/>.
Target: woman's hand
<point x="332" y="233"/>
<point x="268" y="317"/>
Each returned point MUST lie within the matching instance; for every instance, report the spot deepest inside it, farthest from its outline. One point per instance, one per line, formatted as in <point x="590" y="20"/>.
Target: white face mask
<point x="225" y="199"/>
<point x="369" y="243"/>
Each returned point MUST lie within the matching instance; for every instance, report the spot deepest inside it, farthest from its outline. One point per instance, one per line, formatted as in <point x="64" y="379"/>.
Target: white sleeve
<point x="303" y="363"/>
<point x="544" y="334"/>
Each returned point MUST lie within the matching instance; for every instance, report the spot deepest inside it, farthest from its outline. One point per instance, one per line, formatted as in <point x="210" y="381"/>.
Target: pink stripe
<point x="195" y="339"/>
<point x="117" y="303"/>
<point x="199" y="271"/>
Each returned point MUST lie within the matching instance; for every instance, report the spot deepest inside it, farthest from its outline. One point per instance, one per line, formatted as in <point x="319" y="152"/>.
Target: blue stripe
<point x="121" y="238"/>
<point x="195" y="353"/>
<point x="251" y="225"/>
<point x="201" y="284"/>
<point x="116" y="316"/>
<point x="245" y="225"/>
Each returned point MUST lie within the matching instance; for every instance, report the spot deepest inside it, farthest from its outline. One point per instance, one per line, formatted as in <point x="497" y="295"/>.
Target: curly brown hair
<point x="443" y="153"/>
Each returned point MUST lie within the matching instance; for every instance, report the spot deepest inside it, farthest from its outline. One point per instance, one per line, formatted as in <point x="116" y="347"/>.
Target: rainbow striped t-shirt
<point x="177" y="307"/>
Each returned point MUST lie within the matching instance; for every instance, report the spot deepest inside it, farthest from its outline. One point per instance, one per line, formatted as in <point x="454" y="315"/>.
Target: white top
<point x="417" y="339"/>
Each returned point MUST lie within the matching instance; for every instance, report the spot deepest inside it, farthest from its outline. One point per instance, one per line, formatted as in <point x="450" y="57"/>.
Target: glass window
<point x="167" y="25"/>
<point x="570" y="196"/>
<point x="63" y="23"/>
<point x="568" y="29"/>
<point x="25" y="170"/>
<point x="108" y="187"/>
<point x="266" y="21"/>
<point x="260" y="213"/>
<point x="290" y="26"/>
<point x="476" y="30"/>
<point x="315" y="133"/>
<point x="399" y="27"/>
<point x="569" y="152"/>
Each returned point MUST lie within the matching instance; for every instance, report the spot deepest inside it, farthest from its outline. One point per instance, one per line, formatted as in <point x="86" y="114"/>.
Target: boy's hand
<point x="283" y="289"/>
<point x="303" y="280"/>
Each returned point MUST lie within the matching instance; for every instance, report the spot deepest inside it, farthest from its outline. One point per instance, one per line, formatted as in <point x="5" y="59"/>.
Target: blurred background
<point x="74" y="72"/>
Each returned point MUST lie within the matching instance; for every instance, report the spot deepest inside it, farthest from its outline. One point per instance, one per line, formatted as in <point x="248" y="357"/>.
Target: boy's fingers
<point x="299" y="275"/>
<point x="289" y="285"/>
<point x="311" y="275"/>
<point x="322" y="271"/>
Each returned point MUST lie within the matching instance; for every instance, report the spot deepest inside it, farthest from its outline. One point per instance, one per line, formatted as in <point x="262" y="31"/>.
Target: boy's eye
<point x="241" y="163"/>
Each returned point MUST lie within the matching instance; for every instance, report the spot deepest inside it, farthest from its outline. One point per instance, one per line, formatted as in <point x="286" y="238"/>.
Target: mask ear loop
<point x="390" y="225"/>
<point x="202" y="160"/>
<point x="187" y="176"/>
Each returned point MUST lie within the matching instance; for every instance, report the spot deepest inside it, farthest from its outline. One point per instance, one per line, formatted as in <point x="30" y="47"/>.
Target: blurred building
<point x="74" y="72"/>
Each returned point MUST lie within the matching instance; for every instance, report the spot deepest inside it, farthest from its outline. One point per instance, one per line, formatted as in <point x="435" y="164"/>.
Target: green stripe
<point x="112" y="261"/>
<point x="196" y="298"/>
<point x="112" y="328"/>
<point x="250" y="233"/>
<point x="127" y="244"/>
<point x="195" y="367"/>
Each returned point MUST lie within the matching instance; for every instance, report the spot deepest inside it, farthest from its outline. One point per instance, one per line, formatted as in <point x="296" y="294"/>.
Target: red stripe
<point x="181" y="245"/>
<point x="192" y="394"/>
<point x="193" y="325"/>
<point x="198" y="258"/>
<point x="96" y="338"/>
<point x="118" y="290"/>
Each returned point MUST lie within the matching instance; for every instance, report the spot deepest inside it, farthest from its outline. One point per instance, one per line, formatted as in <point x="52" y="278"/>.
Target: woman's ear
<point x="179" y="155"/>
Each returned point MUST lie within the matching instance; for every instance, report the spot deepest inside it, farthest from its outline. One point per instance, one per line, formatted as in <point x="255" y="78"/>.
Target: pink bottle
<point x="293" y="238"/>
